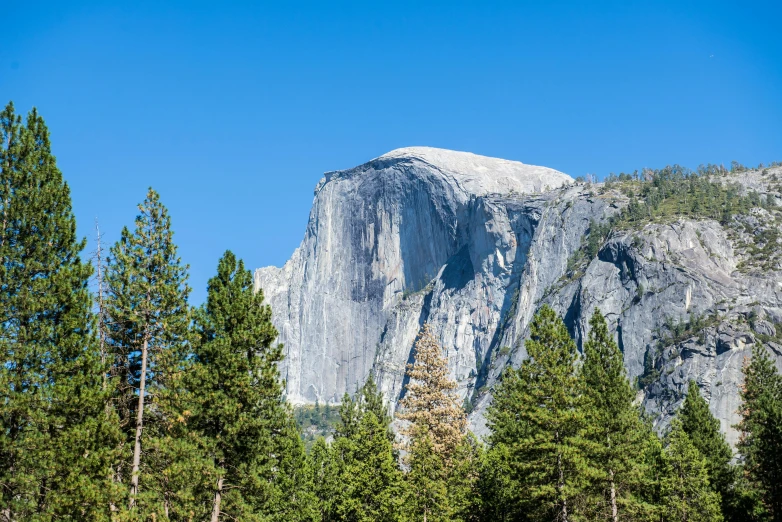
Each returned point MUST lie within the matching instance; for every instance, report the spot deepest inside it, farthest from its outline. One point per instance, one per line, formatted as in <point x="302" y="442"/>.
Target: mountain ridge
<point x="406" y="242"/>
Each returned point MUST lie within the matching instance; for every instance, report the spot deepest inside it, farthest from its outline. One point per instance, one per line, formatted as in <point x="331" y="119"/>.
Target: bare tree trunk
<point x="8" y="189"/>
<point x="101" y="304"/>
<point x="139" y="425"/>
<point x="218" y="498"/>
<point x="614" y="510"/>
<point x="102" y="335"/>
<point x="561" y="485"/>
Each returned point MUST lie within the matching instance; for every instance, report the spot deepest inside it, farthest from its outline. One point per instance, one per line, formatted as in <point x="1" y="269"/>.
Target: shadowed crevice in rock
<point x="458" y="271"/>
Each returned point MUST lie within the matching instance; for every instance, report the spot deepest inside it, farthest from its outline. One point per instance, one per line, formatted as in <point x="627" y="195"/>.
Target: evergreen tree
<point x="435" y="431"/>
<point x="537" y="425"/>
<point x="288" y="496"/>
<point x="238" y="406"/>
<point x="463" y="481"/>
<point x="686" y="493"/>
<point x="321" y="466"/>
<point x="501" y="498"/>
<point x="704" y="432"/>
<point x="360" y="479"/>
<point x="368" y="481"/>
<point x="56" y="439"/>
<point x="351" y="410"/>
<point x="614" y="427"/>
<point x="654" y="468"/>
<point x="148" y="329"/>
<point x="761" y="430"/>
<point x="426" y="492"/>
<point x="430" y="405"/>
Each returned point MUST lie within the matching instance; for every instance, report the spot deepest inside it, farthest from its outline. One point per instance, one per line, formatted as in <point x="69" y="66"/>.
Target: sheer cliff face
<point x="474" y="245"/>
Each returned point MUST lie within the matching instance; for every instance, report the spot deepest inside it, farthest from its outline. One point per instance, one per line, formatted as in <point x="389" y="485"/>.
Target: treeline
<point x="128" y="404"/>
<point x="672" y="192"/>
<point x="567" y="442"/>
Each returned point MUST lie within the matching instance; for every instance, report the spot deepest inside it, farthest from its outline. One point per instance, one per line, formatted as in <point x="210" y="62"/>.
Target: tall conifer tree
<point x="435" y="430"/>
<point x="614" y="425"/>
<point x="686" y="493"/>
<point x="239" y="410"/>
<point x="761" y="430"/>
<point x="148" y="328"/>
<point x="56" y="439"/>
<point x="430" y="405"/>
<point x="703" y="429"/>
<point x="368" y="481"/>
<point x="537" y="425"/>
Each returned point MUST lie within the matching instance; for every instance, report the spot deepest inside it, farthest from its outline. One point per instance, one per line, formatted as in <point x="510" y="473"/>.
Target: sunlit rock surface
<point x="474" y="245"/>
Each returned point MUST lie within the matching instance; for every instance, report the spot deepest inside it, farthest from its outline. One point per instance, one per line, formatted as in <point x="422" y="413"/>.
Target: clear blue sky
<point x="232" y="111"/>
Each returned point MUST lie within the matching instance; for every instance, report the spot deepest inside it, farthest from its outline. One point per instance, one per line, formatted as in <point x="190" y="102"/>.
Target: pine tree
<point x="149" y="321"/>
<point x="686" y="493"/>
<point x="430" y="405"/>
<point x="368" y="481"/>
<point x="463" y="481"/>
<point x="537" y="426"/>
<point x="654" y="468"/>
<point x="501" y="497"/>
<point x="322" y="468"/>
<point x="703" y="429"/>
<point x="288" y="495"/>
<point x="614" y="427"/>
<point x="435" y="430"/>
<point x="761" y="430"/>
<point x="359" y="477"/>
<point x="351" y="410"/>
<point x="238" y="405"/>
<point x="56" y="438"/>
<point x="426" y="489"/>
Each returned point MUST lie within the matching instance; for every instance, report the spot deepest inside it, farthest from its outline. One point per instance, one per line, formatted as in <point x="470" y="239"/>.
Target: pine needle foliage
<point x="148" y="330"/>
<point x="430" y="405"/>
<point x="538" y="426"/>
<point x="687" y="495"/>
<point x="761" y="431"/>
<point x="703" y="430"/>
<point x="56" y="438"/>
<point x="238" y="407"/>
<point x="615" y="432"/>
<point x="435" y="432"/>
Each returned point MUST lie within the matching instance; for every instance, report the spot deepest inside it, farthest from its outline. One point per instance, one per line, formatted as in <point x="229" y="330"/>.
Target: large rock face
<point x="474" y="245"/>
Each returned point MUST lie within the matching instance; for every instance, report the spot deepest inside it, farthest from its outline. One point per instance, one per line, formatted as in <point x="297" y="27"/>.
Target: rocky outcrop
<point x="474" y="245"/>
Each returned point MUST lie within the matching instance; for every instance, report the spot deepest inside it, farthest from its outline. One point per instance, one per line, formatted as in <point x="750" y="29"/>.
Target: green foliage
<point x="57" y="437"/>
<point x="357" y="477"/>
<point x="181" y="415"/>
<point x="686" y="492"/>
<point x="316" y="421"/>
<point x="665" y="194"/>
<point x="148" y="330"/>
<point x="761" y="431"/>
<point x="426" y="491"/>
<point x="678" y="331"/>
<point x="537" y="425"/>
<point x="238" y="409"/>
<point x="463" y="481"/>
<point x="614" y="427"/>
<point x="704" y="432"/>
<point x="673" y="332"/>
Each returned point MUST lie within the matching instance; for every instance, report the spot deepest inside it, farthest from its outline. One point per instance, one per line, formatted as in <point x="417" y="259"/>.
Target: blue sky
<point x="233" y="110"/>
